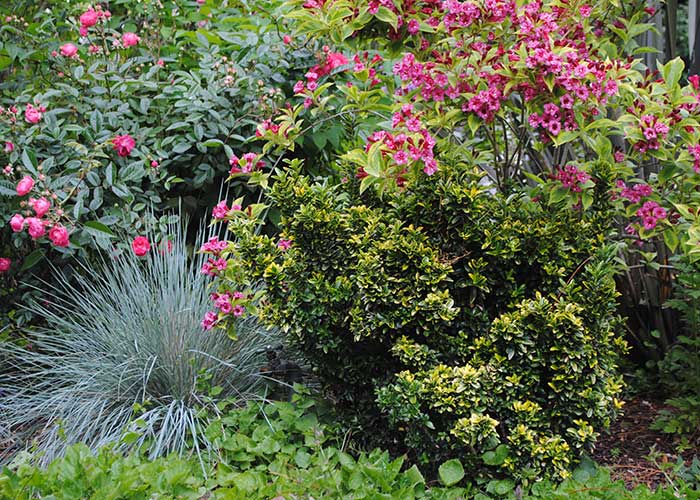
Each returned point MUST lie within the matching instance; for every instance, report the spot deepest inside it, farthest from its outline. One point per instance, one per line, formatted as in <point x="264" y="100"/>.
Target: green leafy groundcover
<point x="282" y="451"/>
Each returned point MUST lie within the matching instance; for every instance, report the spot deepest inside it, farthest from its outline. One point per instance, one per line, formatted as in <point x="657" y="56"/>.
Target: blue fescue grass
<point x="123" y="342"/>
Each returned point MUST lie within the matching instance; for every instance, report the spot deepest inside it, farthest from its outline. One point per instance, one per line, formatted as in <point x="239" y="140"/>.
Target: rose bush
<point x="106" y="116"/>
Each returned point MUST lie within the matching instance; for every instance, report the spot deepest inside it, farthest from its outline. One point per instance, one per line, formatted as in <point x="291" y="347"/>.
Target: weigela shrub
<point x="477" y="309"/>
<point x="539" y="93"/>
<point x="453" y="320"/>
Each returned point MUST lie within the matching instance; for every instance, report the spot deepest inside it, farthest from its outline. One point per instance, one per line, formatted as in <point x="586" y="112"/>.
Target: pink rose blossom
<point x="41" y="206"/>
<point x="32" y="114"/>
<point x="140" y="246"/>
<point x="286" y="39"/>
<point x="123" y="144"/>
<point x="25" y="185"/>
<point x="17" y="223"/>
<point x="5" y="265"/>
<point x="9" y="147"/>
<point x="59" y="236"/>
<point x="130" y="39"/>
<point x="37" y="228"/>
<point x="69" y="50"/>
<point x="88" y="19"/>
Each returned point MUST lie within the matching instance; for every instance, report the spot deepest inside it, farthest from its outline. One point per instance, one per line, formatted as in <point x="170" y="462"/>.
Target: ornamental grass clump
<point x="123" y="354"/>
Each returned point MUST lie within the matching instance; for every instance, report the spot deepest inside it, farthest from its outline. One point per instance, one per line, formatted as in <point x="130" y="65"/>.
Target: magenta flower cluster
<point x="650" y="214"/>
<point x="572" y="178"/>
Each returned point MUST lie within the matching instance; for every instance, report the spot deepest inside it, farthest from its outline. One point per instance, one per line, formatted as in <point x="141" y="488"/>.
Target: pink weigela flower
<point x="214" y="246"/>
<point x="209" y="320"/>
<point x="650" y="213"/>
<point x="220" y="211"/>
<point x="571" y="178"/>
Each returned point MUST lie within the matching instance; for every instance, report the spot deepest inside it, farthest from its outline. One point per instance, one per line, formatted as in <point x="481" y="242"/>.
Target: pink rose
<point x="89" y="18"/>
<point x="25" y="185"/>
<point x="17" y="223"/>
<point x="5" y="265"/>
<point x="59" y="236"/>
<point x="40" y="206"/>
<point x="286" y="39"/>
<point x="140" y="246"/>
<point x="123" y="144"/>
<point x="69" y="50"/>
<point x="83" y="31"/>
<point x="32" y="115"/>
<point x="130" y="39"/>
<point x="9" y="147"/>
<point x="37" y="229"/>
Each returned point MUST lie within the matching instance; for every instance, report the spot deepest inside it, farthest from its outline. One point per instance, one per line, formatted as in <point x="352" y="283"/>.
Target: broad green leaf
<point x="32" y="259"/>
<point x="98" y="229"/>
<point x="451" y="472"/>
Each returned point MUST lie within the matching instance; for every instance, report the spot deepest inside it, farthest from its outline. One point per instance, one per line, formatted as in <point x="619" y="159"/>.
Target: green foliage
<point x="284" y="450"/>
<point x="123" y="347"/>
<point x="263" y="451"/>
<point x="459" y="322"/>
<point x="680" y="368"/>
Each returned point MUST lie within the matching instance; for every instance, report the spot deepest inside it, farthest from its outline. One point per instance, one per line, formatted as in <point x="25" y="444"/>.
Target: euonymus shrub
<point x="444" y="317"/>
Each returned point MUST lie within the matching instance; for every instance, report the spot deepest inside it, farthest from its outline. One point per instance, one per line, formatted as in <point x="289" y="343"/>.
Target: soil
<point x="626" y="447"/>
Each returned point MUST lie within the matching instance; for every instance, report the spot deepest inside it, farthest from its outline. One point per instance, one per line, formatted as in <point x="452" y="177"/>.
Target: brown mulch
<point x="625" y="447"/>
